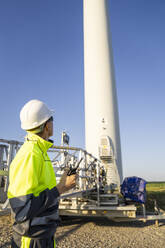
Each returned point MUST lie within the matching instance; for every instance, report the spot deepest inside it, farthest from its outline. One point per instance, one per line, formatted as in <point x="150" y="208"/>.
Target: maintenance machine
<point x="94" y="194"/>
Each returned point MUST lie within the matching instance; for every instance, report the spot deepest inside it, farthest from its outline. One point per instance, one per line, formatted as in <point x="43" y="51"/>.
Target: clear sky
<point x="41" y="57"/>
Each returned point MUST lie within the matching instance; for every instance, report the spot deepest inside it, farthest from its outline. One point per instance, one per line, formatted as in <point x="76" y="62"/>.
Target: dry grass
<point x="155" y="191"/>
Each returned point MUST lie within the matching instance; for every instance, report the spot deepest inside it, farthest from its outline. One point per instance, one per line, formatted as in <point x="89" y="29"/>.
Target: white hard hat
<point x="33" y="114"/>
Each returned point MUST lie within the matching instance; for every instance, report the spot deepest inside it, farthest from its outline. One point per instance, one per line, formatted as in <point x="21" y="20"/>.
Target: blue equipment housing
<point x="134" y="188"/>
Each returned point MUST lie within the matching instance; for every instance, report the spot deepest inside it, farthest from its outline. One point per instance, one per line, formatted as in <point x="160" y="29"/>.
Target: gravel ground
<point x="101" y="233"/>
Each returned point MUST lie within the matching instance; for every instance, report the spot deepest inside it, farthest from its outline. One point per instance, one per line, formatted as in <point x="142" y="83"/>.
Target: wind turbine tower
<point x="102" y="135"/>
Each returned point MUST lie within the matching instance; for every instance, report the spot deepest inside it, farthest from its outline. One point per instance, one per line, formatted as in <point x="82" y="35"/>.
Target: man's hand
<point x="66" y="182"/>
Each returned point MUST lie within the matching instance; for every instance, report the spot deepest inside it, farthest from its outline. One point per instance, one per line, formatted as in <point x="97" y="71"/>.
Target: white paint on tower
<point x="101" y="110"/>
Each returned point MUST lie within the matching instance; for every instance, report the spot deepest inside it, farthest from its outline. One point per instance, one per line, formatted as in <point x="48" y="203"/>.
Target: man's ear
<point x="46" y="126"/>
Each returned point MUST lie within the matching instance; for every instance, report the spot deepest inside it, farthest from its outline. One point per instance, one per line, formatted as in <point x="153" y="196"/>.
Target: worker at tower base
<point x="33" y="193"/>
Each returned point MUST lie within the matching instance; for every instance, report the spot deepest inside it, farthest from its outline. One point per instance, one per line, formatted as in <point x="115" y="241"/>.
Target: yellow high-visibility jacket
<point x="32" y="190"/>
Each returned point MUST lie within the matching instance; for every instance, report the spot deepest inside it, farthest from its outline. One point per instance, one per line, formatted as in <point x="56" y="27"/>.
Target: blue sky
<point x="41" y="57"/>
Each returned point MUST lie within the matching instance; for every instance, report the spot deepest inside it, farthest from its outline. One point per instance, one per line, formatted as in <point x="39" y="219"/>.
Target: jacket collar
<point x="43" y="144"/>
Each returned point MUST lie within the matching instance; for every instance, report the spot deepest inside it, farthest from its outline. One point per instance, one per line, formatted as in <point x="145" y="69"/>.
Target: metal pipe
<point x="98" y="184"/>
<point x="76" y="193"/>
<point x="11" y="141"/>
<point x="9" y="159"/>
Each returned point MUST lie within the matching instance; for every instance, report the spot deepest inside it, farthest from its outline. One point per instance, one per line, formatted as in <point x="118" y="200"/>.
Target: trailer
<point x="92" y="195"/>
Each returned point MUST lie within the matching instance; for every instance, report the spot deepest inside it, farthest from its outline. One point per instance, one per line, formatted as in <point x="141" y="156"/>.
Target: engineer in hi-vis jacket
<point x="32" y="192"/>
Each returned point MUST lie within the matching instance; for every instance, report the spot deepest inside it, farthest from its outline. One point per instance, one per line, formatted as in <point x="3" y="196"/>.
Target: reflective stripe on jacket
<point x="32" y="190"/>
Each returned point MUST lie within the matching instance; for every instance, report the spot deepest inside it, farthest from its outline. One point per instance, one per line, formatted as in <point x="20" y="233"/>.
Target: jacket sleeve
<point x="29" y="206"/>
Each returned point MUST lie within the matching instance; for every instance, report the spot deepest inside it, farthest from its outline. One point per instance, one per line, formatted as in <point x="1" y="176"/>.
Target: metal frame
<point x="88" y="173"/>
<point x="88" y="198"/>
<point x="8" y="149"/>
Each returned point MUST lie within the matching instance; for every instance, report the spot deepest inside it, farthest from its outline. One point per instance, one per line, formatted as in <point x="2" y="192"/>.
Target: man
<point x="32" y="192"/>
